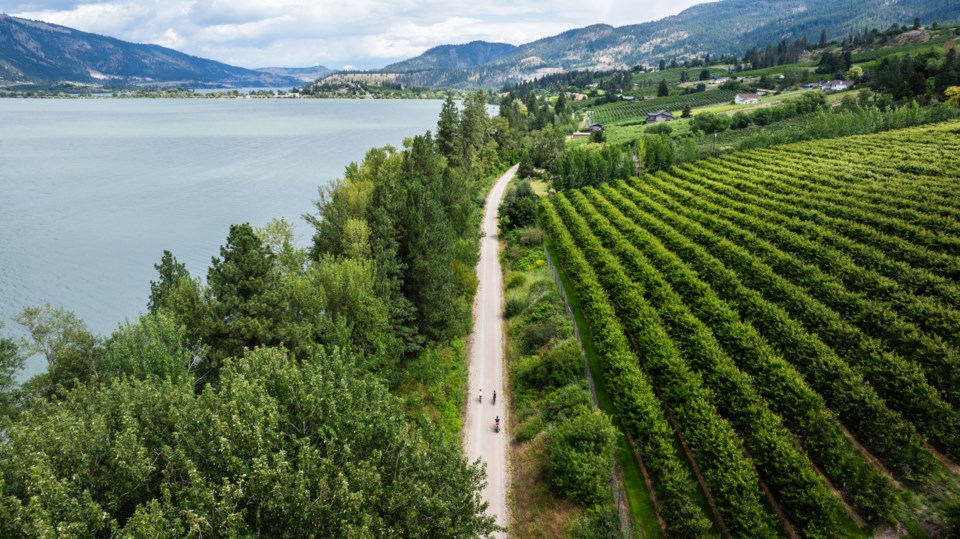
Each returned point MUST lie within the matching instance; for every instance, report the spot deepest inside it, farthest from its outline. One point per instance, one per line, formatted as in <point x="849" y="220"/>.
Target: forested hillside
<point x="453" y="56"/>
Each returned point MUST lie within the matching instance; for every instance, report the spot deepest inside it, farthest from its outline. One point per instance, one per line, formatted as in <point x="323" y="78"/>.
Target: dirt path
<point x="486" y="363"/>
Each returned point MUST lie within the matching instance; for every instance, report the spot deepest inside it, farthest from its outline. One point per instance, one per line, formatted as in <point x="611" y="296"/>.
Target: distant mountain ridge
<point x="39" y="52"/>
<point x="724" y="27"/>
<point x="470" y="54"/>
<point x="42" y="53"/>
<point x="304" y="74"/>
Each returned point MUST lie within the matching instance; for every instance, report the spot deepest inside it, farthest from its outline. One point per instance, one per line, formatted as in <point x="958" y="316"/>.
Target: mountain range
<point x="42" y="53"/>
<point x="303" y="74"/>
<point x="724" y="27"/>
<point x="472" y="54"/>
<point x="38" y="52"/>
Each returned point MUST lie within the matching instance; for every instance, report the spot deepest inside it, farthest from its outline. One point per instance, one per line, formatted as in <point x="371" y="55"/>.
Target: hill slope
<point x="304" y="74"/>
<point x="728" y="26"/>
<point x="38" y="52"/>
<point x="453" y="56"/>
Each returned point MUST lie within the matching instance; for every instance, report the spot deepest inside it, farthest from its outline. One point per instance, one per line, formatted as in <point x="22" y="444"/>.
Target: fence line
<point x="617" y="482"/>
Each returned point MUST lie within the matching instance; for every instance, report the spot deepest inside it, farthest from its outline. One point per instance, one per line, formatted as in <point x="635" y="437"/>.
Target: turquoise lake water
<point x="93" y="191"/>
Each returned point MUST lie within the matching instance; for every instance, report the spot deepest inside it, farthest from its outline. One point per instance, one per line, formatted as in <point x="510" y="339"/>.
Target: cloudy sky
<point x="346" y="33"/>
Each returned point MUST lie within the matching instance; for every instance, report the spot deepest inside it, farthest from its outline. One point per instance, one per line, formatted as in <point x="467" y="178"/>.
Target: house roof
<point x="748" y="96"/>
<point x="659" y="112"/>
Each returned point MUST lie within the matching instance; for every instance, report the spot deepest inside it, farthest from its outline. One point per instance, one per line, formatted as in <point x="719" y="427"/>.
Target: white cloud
<point x="364" y="33"/>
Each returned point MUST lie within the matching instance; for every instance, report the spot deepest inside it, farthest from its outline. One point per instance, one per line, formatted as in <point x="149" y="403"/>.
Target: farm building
<point x="659" y="116"/>
<point x="746" y="99"/>
<point x="837" y="85"/>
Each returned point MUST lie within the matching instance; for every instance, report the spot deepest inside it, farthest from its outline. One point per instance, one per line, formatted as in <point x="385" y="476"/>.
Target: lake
<point x="93" y="190"/>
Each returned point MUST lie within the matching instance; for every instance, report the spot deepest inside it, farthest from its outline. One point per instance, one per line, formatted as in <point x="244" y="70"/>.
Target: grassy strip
<point x="643" y="512"/>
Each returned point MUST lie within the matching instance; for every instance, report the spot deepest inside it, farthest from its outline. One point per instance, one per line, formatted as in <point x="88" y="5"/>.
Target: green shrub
<point x="553" y="369"/>
<point x="596" y="523"/>
<point x="580" y="462"/>
<point x="538" y="333"/>
<point x="516" y="280"/>
<point x="568" y="402"/>
<point x="514" y="307"/>
<point x="523" y="373"/>
<point x="530" y="259"/>
<point x="561" y="365"/>
<point x="529" y="429"/>
<point x="544" y="290"/>
<point x="660" y="129"/>
<point x="518" y="212"/>
<point x="532" y="237"/>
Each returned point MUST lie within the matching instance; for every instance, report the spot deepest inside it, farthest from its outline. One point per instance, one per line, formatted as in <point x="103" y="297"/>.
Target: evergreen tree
<point x="823" y="39"/>
<point x="474" y="131"/>
<point x="170" y="272"/>
<point x="448" y="142"/>
<point x="663" y="90"/>
<point x="244" y="296"/>
<point x="426" y="241"/>
<point x="561" y="105"/>
<point x="390" y="272"/>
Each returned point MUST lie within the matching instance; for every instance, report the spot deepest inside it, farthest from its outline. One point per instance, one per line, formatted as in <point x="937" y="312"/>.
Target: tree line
<point x="283" y="394"/>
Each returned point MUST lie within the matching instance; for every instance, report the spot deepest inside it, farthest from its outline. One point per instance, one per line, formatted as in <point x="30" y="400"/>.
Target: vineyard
<point x="623" y="111"/>
<point x="779" y="330"/>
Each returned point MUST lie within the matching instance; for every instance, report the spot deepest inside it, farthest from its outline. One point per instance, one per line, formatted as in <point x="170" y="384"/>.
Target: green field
<point x="624" y="112"/>
<point x="769" y="307"/>
<point x="672" y="75"/>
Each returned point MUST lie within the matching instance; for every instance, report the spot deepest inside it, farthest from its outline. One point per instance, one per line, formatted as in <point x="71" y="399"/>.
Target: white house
<point x="837" y="85"/>
<point x="746" y="99"/>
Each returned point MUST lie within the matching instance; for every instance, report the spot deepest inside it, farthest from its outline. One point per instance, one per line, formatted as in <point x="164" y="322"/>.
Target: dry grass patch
<point x="538" y="512"/>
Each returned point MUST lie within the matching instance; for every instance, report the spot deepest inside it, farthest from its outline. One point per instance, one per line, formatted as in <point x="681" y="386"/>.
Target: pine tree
<point x="663" y="90"/>
<point x="244" y="296"/>
<point x="448" y="142"/>
<point x="426" y="242"/>
<point x="474" y="127"/>
<point x="170" y="272"/>
<point x="561" y="105"/>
